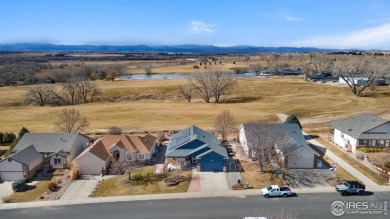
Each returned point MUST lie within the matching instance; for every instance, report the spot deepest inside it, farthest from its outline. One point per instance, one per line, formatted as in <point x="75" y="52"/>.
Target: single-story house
<point x="21" y="165"/>
<point x="290" y="144"/>
<point x="194" y="146"/>
<point x="362" y="130"/>
<point x="59" y="149"/>
<point x="114" y="148"/>
<point x="361" y="80"/>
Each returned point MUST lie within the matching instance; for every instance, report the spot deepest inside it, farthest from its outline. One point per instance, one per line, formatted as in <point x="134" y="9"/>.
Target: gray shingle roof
<point x="357" y="125"/>
<point x="374" y="136"/>
<point x="293" y="139"/>
<point x="26" y="155"/>
<point x="190" y="134"/>
<point x="48" y="142"/>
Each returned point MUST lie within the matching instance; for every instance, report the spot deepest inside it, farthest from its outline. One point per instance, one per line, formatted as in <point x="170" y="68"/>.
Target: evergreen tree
<point x="22" y="132"/>
<point x="293" y="119"/>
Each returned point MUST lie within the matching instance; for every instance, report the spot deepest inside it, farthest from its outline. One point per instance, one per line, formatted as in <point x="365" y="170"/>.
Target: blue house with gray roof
<point x="194" y="146"/>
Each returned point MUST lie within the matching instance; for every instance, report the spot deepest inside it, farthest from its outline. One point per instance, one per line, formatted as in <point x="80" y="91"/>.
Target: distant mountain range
<point x="186" y="48"/>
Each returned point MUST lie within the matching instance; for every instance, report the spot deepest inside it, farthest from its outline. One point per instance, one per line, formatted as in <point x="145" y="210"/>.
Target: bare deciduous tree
<point x="40" y="94"/>
<point x="224" y="124"/>
<point x="71" y="120"/>
<point x="186" y="91"/>
<point x="320" y="63"/>
<point x="256" y="68"/>
<point x="261" y="139"/>
<point x="147" y="68"/>
<point x="86" y="88"/>
<point x="70" y="90"/>
<point x="352" y="69"/>
<point x="212" y="83"/>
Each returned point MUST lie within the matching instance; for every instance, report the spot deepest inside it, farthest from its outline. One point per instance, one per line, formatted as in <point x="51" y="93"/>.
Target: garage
<point x="211" y="162"/>
<point x="11" y="176"/>
<point x="20" y="165"/>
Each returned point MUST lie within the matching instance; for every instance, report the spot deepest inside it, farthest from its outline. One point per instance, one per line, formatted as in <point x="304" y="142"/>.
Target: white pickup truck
<point x="275" y="190"/>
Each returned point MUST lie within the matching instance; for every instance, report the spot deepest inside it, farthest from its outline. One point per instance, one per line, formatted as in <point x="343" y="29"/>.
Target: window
<point x="141" y="157"/>
<point x="57" y="161"/>
<point x="380" y="143"/>
<point x="116" y="155"/>
<point x="363" y="142"/>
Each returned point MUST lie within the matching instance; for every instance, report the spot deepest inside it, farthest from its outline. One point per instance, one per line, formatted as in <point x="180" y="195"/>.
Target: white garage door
<point x="90" y="170"/>
<point x="11" y="176"/>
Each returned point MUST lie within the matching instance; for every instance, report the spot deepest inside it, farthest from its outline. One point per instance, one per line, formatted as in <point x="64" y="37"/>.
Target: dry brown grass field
<point x="253" y="99"/>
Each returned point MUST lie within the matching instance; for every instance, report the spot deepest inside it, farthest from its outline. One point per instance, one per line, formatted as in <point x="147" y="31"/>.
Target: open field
<point x="253" y="99"/>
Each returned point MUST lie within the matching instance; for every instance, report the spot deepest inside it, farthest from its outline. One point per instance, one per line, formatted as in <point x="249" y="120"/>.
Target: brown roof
<point x="98" y="150"/>
<point x="149" y="141"/>
<point x="110" y="140"/>
<point x="131" y="143"/>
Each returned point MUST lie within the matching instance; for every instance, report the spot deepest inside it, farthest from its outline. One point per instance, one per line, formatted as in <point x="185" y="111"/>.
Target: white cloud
<point x="294" y="19"/>
<point x="370" y="38"/>
<point x="199" y="26"/>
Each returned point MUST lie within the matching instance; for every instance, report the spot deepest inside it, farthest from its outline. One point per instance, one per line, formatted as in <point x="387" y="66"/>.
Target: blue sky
<point x="320" y="23"/>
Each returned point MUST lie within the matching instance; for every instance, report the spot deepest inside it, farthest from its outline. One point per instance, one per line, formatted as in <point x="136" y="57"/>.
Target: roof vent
<point x="63" y="140"/>
<point x="349" y="130"/>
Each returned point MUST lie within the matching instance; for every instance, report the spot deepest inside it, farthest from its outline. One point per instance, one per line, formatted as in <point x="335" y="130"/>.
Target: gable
<point x="382" y="129"/>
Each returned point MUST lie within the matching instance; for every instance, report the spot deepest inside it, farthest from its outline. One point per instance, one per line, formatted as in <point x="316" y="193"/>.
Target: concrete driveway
<point x="212" y="182"/>
<point x="80" y="189"/>
<point x="5" y="189"/>
<point x="314" y="178"/>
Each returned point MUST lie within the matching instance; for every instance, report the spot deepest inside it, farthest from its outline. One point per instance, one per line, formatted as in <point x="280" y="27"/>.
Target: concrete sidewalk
<point x="340" y="162"/>
<point x="360" y="176"/>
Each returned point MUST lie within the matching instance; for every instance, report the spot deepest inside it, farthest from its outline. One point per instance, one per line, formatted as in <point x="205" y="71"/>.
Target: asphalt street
<point x="303" y="206"/>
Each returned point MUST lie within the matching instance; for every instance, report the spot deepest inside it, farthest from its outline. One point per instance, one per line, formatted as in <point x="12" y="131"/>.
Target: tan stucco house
<point x="114" y="148"/>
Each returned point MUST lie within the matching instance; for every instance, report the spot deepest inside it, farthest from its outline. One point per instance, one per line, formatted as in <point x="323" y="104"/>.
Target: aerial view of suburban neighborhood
<point x="209" y="109"/>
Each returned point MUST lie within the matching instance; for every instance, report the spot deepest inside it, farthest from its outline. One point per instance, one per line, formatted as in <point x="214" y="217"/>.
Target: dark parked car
<point x="351" y="187"/>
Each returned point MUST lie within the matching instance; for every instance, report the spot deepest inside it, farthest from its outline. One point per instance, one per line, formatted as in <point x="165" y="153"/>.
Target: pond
<point x="177" y="76"/>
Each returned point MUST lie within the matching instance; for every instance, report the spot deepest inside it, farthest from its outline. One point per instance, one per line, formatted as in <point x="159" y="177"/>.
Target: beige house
<point x="114" y="148"/>
<point x="21" y="165"/>
<point x="294" y="152"/>
<point x="58" y="149"/>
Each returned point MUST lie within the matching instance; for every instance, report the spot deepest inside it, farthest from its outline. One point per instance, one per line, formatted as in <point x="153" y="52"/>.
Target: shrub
<point x="372" y="149"/>
<point x="20" y="185"/>
<point x="7" y="199"/>
<point x="52" y="186"/>
<point x="387" y="163"/>
<point x="359" y="155"/>
<point x="8" y="137"/>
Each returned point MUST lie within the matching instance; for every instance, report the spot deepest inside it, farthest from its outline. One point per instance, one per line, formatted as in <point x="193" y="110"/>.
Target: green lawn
<point x="151" y="184"/>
